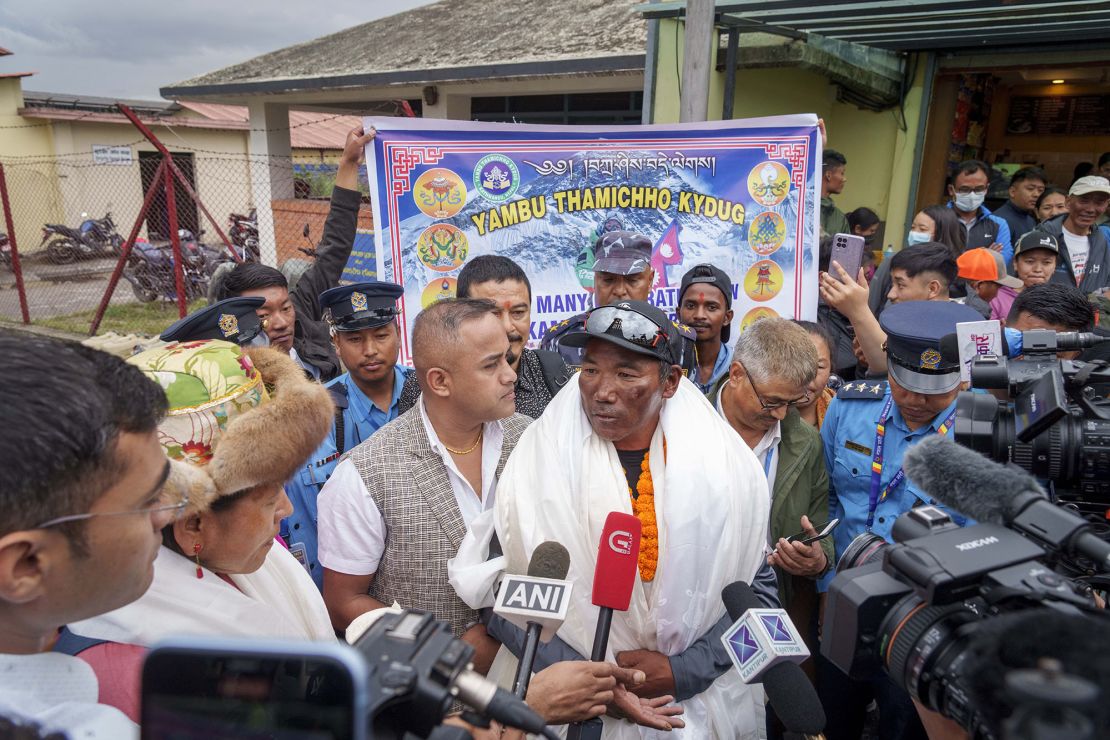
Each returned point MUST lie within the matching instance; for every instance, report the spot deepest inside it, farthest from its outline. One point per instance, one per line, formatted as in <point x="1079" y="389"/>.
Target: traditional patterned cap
<point x="225" y="405"/>
<point x="916" y="358"/>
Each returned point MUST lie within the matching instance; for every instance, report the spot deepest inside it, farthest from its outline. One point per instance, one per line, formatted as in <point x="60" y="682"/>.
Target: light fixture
<point x="1058" y="82"/>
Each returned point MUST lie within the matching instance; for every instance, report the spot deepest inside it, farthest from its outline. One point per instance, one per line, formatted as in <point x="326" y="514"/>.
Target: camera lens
<point x="865" y="548"/>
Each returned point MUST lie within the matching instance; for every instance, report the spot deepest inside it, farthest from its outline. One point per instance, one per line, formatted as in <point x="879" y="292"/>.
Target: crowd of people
<point x="272" y="471"/>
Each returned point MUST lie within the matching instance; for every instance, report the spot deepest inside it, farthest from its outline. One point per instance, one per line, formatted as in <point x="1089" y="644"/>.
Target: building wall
<point x="880" y="155"/>
<point x="25" y="149"/>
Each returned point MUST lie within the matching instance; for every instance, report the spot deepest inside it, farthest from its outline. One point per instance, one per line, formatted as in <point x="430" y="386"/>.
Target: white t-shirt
<point x="351" y="529"/>
<point x="59" y="693"/>
<point x="1079" y="247"/>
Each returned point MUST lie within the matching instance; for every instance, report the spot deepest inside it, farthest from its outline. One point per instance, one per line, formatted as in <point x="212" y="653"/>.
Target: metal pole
<point x="128" y="245"/>
<point x="175" y="241"/>
<point x="17" y="269"/>
<point x="730" y="71"/>
<point x="145" y="131"/>
<point x="651" y="61"/>
<point x="696" y="58"/>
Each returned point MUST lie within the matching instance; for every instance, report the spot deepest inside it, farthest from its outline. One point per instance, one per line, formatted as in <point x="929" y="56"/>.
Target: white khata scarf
<point x="712" y="509"/>
<point x="278" y="600"/>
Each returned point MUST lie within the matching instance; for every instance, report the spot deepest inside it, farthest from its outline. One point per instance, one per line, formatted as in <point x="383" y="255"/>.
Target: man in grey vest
<point x="396" y="510"/>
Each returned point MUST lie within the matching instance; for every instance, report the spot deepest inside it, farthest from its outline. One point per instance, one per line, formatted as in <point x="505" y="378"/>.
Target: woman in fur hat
<point x="240" y="423"/>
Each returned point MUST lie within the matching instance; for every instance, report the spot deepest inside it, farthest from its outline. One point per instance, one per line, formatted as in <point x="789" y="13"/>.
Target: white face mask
<point x="918" y="237"/>
<point x="969" y="202"/>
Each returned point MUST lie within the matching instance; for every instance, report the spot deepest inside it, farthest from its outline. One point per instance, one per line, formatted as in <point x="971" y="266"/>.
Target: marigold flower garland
<point x="643" y="506"/>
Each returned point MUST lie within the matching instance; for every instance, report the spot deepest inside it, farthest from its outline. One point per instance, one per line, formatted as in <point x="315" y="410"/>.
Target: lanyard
<point x="767" y="462"/>
<point x="878" y="491"/>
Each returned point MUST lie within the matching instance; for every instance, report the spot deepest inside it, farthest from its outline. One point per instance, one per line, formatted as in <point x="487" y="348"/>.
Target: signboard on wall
<point x="109" y="154"/>
<point x="1072" y="115"/>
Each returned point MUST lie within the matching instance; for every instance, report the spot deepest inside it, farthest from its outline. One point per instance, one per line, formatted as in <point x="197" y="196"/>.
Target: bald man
<point x="424" y="476"/>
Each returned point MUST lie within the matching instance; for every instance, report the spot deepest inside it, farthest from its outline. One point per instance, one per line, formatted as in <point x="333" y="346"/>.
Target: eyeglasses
<point x="627" y="324"/>
<point x="968" y="191"/>
<point x="176" y="508"/>
<point x="804" y="398"/>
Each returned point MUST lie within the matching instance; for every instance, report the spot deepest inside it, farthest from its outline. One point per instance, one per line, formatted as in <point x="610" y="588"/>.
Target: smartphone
<point x="216" y="688"/>
<point x="847" y="251"/>
<point x="822" y="533"/>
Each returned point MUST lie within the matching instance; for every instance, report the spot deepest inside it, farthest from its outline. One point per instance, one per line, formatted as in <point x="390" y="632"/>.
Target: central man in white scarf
<point x="701" y="497"/>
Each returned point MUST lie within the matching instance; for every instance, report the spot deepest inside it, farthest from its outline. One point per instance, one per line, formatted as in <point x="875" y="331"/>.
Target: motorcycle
<point x="93" y="238"/>
<point x="243" y="232"/>
<point x="150" y="268"/>
<point x="5" y="251"/>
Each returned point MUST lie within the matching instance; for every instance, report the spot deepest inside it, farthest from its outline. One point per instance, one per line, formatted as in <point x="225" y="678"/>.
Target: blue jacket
<point x="1097" y="275"/>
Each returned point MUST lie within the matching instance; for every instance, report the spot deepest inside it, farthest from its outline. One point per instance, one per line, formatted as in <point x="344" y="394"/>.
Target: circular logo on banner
<point x="437" y="290"/>
<point x="769" y="183"/>
<point x="496" y="177"/>
<point x="766" y="233"/>
<point x="439" y="193"/>
<point x="762" y="312"/>
<point x="442" y="247"/>
<point x="763" y="281"/>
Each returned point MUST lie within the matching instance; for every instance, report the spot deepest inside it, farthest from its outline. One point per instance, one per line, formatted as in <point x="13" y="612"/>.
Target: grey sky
<point x="130" y="48"/>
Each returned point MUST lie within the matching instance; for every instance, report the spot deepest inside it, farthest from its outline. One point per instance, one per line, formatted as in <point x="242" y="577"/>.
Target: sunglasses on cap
<point x="627" y="324"/>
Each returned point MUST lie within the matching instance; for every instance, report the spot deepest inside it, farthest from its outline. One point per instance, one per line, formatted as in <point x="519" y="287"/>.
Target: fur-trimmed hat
<point x="237" y="419"/>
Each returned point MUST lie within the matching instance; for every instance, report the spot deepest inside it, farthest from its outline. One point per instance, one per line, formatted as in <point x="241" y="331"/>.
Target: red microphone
<point x="618" y="558"/>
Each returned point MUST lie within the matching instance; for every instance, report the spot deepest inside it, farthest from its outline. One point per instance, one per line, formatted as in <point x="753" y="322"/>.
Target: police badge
<point x="930" y="359"/>
<point x="229" y="324"/>
<point x="358" y="301"/>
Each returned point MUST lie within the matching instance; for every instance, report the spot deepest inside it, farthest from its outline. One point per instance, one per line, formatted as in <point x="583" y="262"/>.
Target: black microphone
<point x="788" y="689"/>
<point x="538" y="602"/>
<point x="988" y="491"/>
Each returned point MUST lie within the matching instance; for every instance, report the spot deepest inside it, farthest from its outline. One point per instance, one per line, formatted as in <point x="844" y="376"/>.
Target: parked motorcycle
<point x="95" y="237"/>
<point x="5" y="251"/>
<point x="243" y="232"/>
<point x="150" y="269"/>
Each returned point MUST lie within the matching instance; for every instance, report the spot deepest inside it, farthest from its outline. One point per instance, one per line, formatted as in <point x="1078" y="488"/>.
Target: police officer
<point x="622" y="272"/>
<point x="867" y="430"/>
<point x="367" y="337"/>
<point x="232" y="320"/>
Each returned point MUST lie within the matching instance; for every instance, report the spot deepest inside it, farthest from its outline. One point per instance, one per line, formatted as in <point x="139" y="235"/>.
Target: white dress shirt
<point x="766" y="450"/>
<point x="352" y="531"/>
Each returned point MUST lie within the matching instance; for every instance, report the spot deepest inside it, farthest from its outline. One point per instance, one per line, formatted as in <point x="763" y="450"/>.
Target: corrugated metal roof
<point x="919" y="25"/>
<point x="307" y="130"/>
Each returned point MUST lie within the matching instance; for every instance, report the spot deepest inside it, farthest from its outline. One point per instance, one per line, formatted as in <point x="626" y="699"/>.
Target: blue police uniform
<point x="865" y="437"/>
<point x="352" y="308"/>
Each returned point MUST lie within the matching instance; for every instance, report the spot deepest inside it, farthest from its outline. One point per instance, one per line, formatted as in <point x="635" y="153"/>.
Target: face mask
<point x="968" y="202"/>
<point x="918" y="237"/>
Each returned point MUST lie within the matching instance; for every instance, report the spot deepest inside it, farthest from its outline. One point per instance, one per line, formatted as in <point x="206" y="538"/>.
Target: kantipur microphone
<point x="537" y="603"/>
<point x="618" y="555"/>
<point x="764" y="645"/>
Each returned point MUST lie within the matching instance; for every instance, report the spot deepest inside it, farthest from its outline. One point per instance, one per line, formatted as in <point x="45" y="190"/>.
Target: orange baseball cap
<point x="986" y="264"/>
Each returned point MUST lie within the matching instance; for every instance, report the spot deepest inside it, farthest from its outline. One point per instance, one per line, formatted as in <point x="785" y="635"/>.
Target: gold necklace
<point x="472" y="447"/>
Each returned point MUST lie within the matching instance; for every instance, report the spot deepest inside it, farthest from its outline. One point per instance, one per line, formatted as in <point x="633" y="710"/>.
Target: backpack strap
<point x="556" y="374"/>
<point x="338" y="393"/>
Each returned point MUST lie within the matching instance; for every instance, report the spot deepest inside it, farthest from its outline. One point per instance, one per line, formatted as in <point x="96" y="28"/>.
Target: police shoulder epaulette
<point x="862" y="389"/>
<point x="685" y="330"/>
<point x="338" y="393"/>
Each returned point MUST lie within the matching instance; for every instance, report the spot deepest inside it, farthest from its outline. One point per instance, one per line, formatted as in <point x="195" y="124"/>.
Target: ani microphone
<point x="618" y="555"/>
<point x="537" y="603"/>
<point x="765" y="646"/>
<point x="983" y="489"/>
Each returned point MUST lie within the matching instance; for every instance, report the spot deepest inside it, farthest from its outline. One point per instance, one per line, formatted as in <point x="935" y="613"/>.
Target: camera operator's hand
<point x="576" y="690"/>
<point x="659" y="679"/>
<point x="799" y="559"/>
<point x="657" y="713"/>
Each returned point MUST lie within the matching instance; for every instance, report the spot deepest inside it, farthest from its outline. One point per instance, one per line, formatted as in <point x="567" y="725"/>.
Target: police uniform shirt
<point x="361" y="418"/>
<point x="848" y="435"/>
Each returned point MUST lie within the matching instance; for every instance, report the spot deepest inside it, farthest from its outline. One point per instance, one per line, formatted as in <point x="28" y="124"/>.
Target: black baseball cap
<point x="1036" y="239"/>
<point x="636" y="326"/>
<point x="711" y="275"/>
